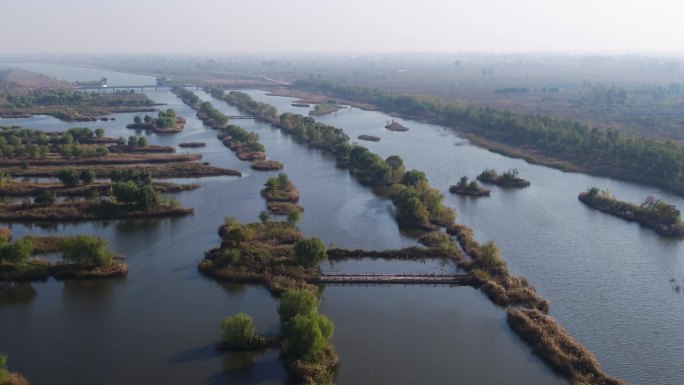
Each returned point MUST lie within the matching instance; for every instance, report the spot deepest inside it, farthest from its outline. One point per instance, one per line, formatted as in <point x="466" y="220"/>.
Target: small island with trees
<point x="281" y="196"/>
<point x="325" y="108"/>
<point x="245" y="144"/>
<point x="507" y="179"/>
<point x="167" y="122"/>
<point x="192" y="144"/>
<point x="654" y="213"/>
<point x="370" y="138"/>
<point x="267" y="165"/>
<point x="471" y="188"/>
<point x="277" y="255"/>
<point x="83" y="257"/>
<point x="395" y="126"/>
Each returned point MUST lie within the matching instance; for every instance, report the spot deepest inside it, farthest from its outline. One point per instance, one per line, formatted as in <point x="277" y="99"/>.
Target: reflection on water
<point x="14" y="293"/>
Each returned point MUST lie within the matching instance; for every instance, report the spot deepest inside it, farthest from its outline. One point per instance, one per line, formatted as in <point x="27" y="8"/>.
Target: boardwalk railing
<point x="445" y="279"/>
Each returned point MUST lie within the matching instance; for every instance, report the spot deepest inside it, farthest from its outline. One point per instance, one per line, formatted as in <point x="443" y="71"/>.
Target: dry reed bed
<point x="111" y="159"/>
<point x="40" y="270"/>
<point x="553" y="344"/>
<point x="267" y="165"/>
<point x="167" y="170"/>
<point x="19" y="189"/>
<point x="13" y="378"/>
<point x="85" y="211"/>
<point x="5" y="233"/>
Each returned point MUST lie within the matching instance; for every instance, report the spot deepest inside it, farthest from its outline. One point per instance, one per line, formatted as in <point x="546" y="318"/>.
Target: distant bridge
<point x="406" y="279"/>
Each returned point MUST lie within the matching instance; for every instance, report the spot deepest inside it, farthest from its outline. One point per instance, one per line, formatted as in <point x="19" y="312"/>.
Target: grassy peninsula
<point x="654" y="213"/>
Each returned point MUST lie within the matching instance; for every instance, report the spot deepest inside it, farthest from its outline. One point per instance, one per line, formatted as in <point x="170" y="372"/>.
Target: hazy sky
<point x="228" y="26"/>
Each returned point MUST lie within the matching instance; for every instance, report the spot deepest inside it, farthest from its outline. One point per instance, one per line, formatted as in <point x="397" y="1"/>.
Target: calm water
<point x="73" y="74"/>
<point x="608" y="280"/>
<point x="159" y="324"/>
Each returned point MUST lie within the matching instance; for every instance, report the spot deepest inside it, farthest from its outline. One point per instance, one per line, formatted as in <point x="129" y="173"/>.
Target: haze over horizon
<point x="260" y="26"/>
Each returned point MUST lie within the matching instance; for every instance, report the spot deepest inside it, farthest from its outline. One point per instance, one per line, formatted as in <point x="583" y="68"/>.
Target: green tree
<point x="310" y="251"/>
<point x="87" y="176"/>
<point x="263" y="216"/>
<point x="125" y="192"/>
<point x="87" y="250"/>
<point x="463" y="182"/>
<point x="68" y="176"/>
<point x="142" y="141"/>
<point x="132" y="141"/>
<point x="137" y="119"/>
<point x="297" y="302"/>
<point x="147" y="197"/>
<point x="293" y="217"/>
<point x="307" y="335"/>
<point x="45" y="198"/>
<point x="413" y="178"/>
<point x="3" y="367"/>
<point x="397" y="165"/>
<point x="99" y="132"/>
<point x="237" y="331"/>
<point x="17" y="252"/>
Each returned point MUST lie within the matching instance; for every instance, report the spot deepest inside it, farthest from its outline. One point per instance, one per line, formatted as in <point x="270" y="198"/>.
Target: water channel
<point x="159" y="325"/>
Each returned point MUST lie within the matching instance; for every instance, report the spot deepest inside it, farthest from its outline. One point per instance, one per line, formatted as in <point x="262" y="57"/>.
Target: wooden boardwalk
<point x="413" y="279"/>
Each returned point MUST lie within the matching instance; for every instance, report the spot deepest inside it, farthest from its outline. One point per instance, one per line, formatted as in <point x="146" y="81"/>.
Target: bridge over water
<point x="406" y="279"/>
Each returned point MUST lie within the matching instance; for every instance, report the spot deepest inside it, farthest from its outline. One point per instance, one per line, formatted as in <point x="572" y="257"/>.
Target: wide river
<point x="608" y="280"/>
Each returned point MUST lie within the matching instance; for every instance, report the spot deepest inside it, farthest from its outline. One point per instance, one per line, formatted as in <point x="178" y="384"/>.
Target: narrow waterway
<point x="159" y="325"/>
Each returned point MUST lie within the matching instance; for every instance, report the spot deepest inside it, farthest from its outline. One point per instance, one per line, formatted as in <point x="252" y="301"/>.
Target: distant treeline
<point x="512" y="90"/>
<point x="603" y="151"/>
